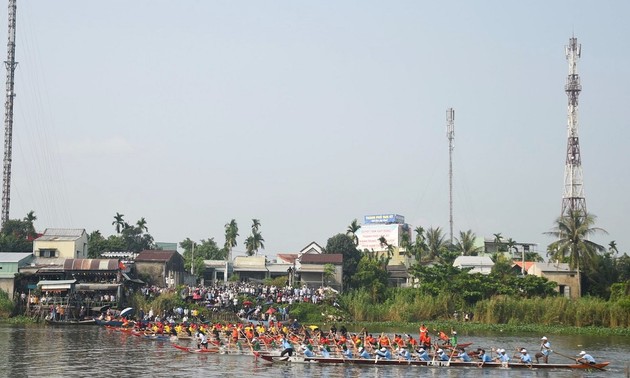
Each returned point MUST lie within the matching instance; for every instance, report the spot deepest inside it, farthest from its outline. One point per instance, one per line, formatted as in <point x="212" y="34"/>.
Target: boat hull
<point x="358" y="361"/>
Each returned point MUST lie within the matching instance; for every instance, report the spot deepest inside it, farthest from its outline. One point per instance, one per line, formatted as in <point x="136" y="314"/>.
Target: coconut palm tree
<point x="436" y="242"/>
<point x="466" y="244"/>
<point x="142" y="225"/>
<point x="231" y="233"/>
<point x="612" y="247"/>
<point x="119" y="222"/>
<point x="498" y="241"/>
<point x="572" y="245"/>
<point x="255" y="224"/>
<point x="352" y="231"/>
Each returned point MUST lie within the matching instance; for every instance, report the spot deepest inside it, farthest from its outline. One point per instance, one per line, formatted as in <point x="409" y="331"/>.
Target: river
<point x="92" y="351"/>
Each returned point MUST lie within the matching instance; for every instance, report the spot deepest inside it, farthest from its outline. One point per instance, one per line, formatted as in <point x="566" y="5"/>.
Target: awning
<point x="56" y="285"/>
<point x="96" y="286"/>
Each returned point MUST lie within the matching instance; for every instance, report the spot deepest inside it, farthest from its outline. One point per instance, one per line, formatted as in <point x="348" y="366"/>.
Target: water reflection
<point x="46" y="351"/>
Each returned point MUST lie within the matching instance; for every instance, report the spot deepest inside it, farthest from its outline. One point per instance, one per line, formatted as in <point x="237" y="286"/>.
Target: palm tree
<point x="436" y="242"/>
<point x="352" y="231"/>
<point x="255" y="224"/>
<point x="612" y="247"/>
<point x="498" y="241"/>
<point x="420" y="245"/>
<point x="231" y="233"/>
<point x="572" y="244"/>
<point x="466" y="244"/>
<point x="511" y="245"/>
<point x="258" y="241"/>
<point x="142" y="225"/>
<point x="119" y="222"/>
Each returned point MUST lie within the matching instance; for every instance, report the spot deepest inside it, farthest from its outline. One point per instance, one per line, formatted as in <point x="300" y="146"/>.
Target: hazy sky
<point x="308" y="114"/>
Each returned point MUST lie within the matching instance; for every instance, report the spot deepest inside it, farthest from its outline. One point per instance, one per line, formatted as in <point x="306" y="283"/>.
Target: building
<point x="10" y="264"/>
<point x="393" y="228"/>
<point x="161" y="268"/>
<point x="478" y="264"/>
<point x="321" y="269"/>
<point x="61" y="243"/>
<point x="568" y="279"/>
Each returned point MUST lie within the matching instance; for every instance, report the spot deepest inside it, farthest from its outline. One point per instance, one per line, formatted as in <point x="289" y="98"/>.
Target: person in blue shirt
<point x="422" y="354"/>
<point x="404" y="354"/>
<point x="585" y="358"/>
<point x="441" y="355"/>
<point x="308" y="351"/>
<point x="364" y="354"/>
<point x="347" y="353"/>
<point x="525" y="358"/>
<point x="545" y="350"/>
<point x="483" y="356"/>
<point x="288" y="347"/>
<point x="325" y="351"/>
<point x="463" y="356"/>
<point x="384" y="353"/>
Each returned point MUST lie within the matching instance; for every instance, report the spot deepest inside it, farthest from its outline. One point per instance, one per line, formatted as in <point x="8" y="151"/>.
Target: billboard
<point x="384" y="218"/>
<point x="369" y="236"/>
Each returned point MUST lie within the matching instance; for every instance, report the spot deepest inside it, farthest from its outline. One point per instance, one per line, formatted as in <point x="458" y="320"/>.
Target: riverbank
<point x="483" y="329"/>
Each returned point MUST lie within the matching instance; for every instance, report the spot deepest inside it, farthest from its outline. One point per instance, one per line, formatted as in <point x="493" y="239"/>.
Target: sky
<point x="309" y="114"/>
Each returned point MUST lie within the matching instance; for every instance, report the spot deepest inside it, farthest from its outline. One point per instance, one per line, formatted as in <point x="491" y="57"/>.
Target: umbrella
<point x="271" y="310"/>
<point x="127" y="311"/>
<point x="247" y="303"/>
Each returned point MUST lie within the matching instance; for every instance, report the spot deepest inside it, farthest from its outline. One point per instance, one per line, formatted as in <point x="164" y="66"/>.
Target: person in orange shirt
<point x="383" y="341"/>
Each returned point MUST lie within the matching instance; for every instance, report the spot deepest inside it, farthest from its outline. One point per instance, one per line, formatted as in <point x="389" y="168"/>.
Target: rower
<point x="384" y="353"/>
<point x="422" y="354"/>
<point x="441" y="355"/>
<point x="585" y="358"/>
<point x="525" y="358"/>
<point x="364" y="354"/>
<point x="463" y="356"/>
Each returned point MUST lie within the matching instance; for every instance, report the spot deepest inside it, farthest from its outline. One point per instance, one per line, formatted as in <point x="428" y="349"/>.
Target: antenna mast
<point x="573" y="198"/>
<point x="450" y="134"/>
<point x="10" y="63"/>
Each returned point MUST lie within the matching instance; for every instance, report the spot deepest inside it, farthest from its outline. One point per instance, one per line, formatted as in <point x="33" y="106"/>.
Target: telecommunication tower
<point x="450" y="134"/>
<point x="10" y="64"/>
<point x="573" y="198"/>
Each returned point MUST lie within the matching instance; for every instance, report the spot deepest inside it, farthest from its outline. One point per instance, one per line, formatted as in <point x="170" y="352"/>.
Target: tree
<point x="465" y="245"/>
<point x="17" y="235"/>
<point x="612" y="247"/>
<point x="573" y="245"/>
<point x="352" y="231"/>
<point x="498" y="241"/>
<point x="231" y="233"/>
<point x="142" y="225"/>
<point x="254" y="242"/>
<point x="119" y="222"/>
<point x="436" y="243"/>
<point x="372" y="276"/>
<point x="343" y="244"/>
<point x="96" y="244"/>
<point x="329" y="272"/>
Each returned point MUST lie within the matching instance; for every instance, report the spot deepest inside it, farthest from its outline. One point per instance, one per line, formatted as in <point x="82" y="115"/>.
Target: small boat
<point x="73" y="322"/>
<point x="403" y="362"/>
<point x="195" y="350"/>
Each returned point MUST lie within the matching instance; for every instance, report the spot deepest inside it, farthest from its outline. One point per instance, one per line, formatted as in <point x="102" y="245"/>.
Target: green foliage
<point x="372" y="276"/>
<point x="344" y="244"/>
<point x="235" y="278"/>
<point x="314" y="313"/>
<point x="17" y="234"/>
<point x="6" y="305"/>
<point x="207" y="249"/>
<point x="277" y="282"/>
<point x="163" y="302"/>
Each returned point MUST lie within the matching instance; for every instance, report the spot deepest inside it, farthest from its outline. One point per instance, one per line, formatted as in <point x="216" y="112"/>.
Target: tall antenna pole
<point x="573" y="198"/>
<point x="10" y="63"/>
<point x="450" y="134"/>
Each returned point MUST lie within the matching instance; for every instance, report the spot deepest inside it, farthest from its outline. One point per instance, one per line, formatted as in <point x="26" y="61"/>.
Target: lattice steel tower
<point x="10" y="63"/>
<point x="450" y="134"/>
<point x="573" y="198"/>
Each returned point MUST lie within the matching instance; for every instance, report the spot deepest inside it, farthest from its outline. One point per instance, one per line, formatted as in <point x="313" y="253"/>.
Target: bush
<point x="6" y="305"/>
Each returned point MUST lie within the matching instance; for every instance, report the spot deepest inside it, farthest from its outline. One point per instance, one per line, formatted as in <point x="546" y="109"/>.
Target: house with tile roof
<point x="161" y="268"/>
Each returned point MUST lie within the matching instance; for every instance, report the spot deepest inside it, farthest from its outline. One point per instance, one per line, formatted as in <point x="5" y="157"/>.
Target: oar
<point x="576" y="360"/>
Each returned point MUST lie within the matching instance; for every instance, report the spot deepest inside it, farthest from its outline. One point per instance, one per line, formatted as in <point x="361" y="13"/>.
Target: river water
<point x="92" y="351"/>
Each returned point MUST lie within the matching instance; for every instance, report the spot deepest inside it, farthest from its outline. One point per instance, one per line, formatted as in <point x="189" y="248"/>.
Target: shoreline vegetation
<point x="405" y="310"/>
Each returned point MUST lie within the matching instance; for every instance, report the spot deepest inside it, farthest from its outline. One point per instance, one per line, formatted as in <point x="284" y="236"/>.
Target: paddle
<point x="577" y="361"/>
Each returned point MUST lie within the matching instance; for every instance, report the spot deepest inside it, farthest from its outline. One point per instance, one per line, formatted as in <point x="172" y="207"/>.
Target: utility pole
<point x="450" y="134"/>
<point x="10" y="64"/>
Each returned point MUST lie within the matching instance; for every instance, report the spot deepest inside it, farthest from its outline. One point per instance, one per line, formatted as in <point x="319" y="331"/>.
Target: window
<point x="47" y="252"/>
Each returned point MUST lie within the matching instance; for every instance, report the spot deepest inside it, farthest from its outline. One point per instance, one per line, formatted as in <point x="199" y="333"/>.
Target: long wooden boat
<point x="403" y="362"/>
<point x="195" y="350"/>
<point x="72" y="322"/>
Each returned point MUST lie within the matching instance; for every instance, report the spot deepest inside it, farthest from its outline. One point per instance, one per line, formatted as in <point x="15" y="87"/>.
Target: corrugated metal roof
<point x="324" y="258"/>
<point x="90" y="264"/>
<point x="155" y="255"/>
<point x="13" y="257"/>
<point x="62" y="234"/>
